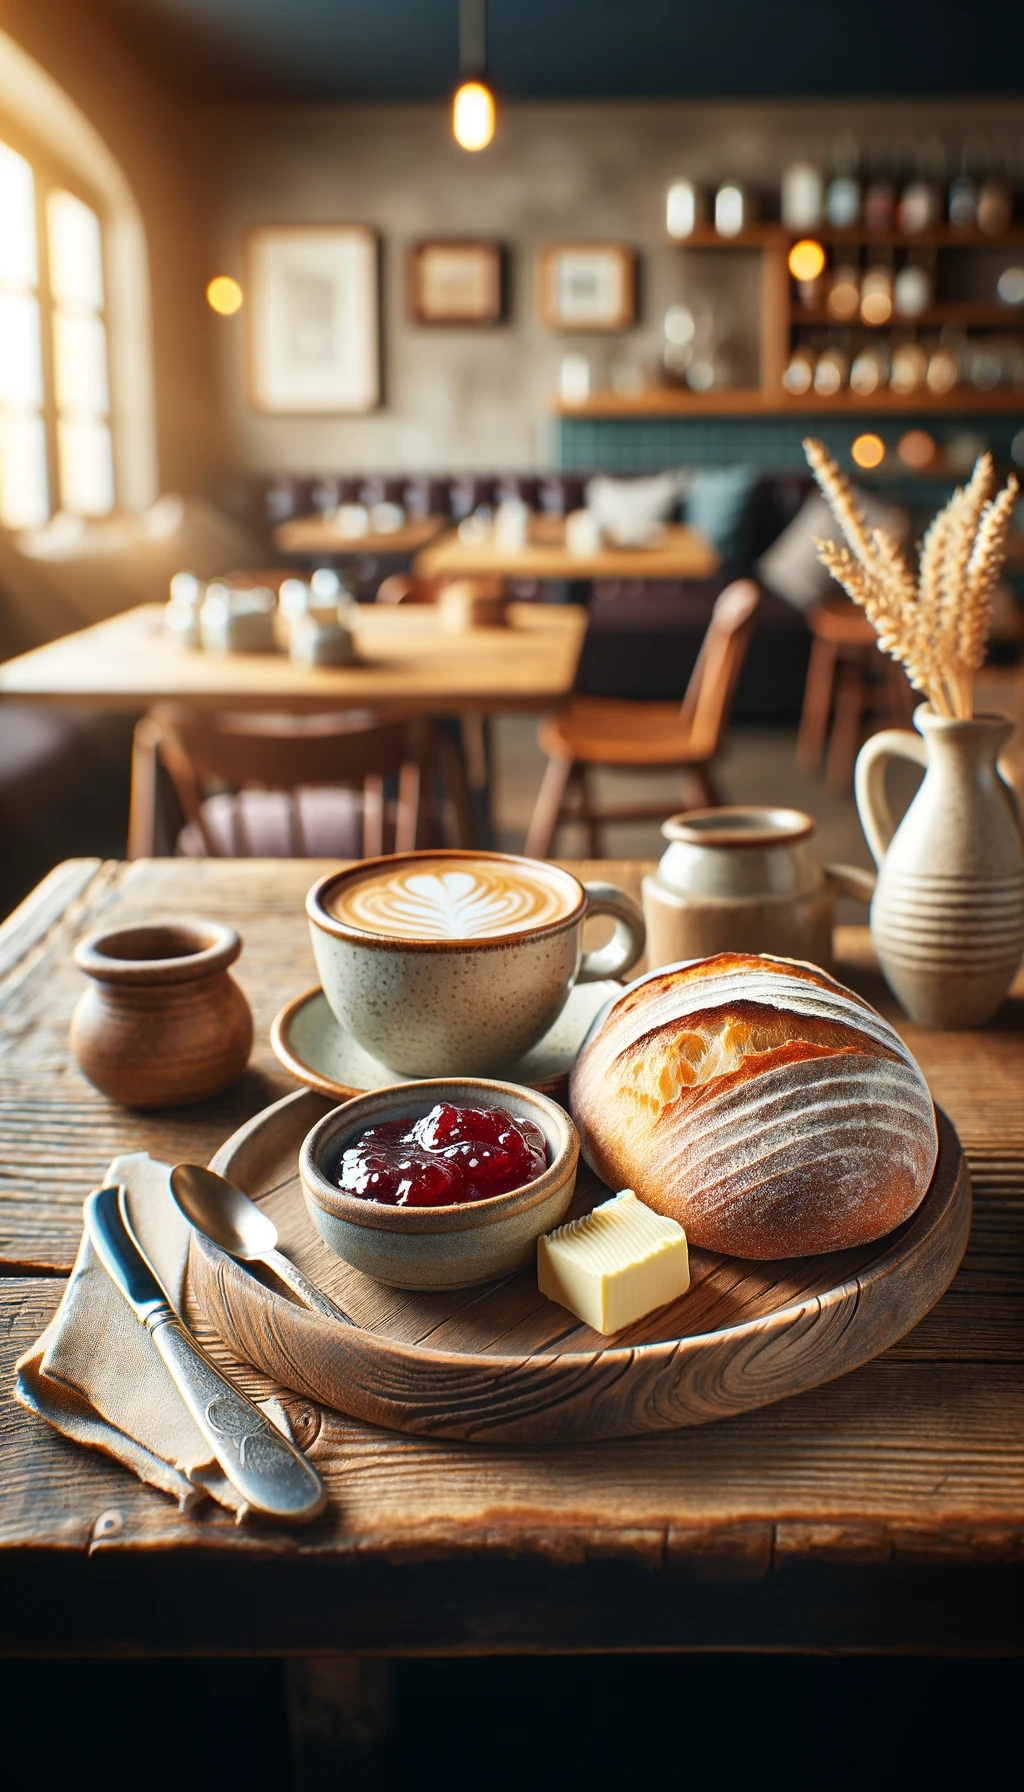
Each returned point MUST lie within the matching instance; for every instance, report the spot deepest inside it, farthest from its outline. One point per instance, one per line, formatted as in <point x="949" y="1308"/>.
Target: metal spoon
<point x="228" y="1218"/>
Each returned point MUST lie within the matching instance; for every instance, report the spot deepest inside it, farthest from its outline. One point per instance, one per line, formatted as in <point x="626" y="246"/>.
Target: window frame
<point x="50" y="175"/>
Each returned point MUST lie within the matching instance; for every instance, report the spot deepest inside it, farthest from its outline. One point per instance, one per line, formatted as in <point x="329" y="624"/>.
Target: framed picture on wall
<point x="586" y="286"/>
<point x="313" y="333"/>
<point x="456" y="283"/>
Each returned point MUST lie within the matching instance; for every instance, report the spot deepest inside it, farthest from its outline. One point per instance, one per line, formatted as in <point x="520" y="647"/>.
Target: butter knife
<point x="269" y="1472"/>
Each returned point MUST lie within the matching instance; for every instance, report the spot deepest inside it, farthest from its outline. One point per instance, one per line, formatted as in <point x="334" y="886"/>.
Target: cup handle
<point x="626" y="943"/>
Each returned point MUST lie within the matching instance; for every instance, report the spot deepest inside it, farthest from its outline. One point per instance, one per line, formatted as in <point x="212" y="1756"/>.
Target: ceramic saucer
<point x="319" y="1051"/>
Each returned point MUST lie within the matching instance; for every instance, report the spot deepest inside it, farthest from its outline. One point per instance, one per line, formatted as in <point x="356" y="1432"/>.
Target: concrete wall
<point x="461" y="398"/>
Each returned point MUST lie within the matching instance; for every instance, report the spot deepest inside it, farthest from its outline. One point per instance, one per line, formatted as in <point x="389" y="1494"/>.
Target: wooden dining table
<point x="882" y="1512"/>
<point x="678" y="552"/>
<point x="406" y="662"/>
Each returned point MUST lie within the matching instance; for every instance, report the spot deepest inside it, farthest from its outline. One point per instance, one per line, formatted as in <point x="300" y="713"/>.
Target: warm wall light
<point x="917" y="449"/>
<point x="868" y="451"/>
<point x="224" y="295"/>
<point x="806" y="260"/>
<point x="473" y="115"/>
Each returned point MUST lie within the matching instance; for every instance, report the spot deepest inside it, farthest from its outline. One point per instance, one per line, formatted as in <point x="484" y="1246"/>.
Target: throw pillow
<point x="791" y="566"/>
<point x="718" y="504"/>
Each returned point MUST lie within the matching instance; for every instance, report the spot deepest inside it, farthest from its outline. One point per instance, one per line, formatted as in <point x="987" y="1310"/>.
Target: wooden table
<point x="407" y="663"/>
<point x="882" y="1512"/>
<point x="318" y="534"/>
<point x="680" y="553"/>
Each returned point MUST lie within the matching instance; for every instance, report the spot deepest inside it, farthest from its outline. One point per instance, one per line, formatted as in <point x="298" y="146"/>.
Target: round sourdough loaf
<point x="757" y="1101"/>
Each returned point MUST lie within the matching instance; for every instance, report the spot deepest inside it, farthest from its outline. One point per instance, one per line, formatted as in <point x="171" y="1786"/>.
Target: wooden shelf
<point x="972" y="314"/>
<point x="777" y="236"/>
<point x="667" y="401"/>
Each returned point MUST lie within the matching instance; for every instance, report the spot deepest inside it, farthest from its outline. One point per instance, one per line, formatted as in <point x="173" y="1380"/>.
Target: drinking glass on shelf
<point x="870" y="371"/>
<point x="908" y="368"/>
<point x="831" y="372"/>
<point x="943" y="370"/>
<point x="799" y="375"/>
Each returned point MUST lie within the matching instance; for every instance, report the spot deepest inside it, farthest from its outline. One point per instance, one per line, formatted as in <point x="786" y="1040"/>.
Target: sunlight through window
<point x="84" y="450"/>
<point x="24" y="486"/>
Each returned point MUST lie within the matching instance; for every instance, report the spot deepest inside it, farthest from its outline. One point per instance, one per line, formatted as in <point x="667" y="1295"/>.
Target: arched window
<point x="76" y="388"/>
<point x="55" y="443"/>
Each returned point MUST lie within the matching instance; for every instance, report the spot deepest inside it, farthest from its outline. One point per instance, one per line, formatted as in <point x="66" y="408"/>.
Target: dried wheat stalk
<point x="937" y="626"/>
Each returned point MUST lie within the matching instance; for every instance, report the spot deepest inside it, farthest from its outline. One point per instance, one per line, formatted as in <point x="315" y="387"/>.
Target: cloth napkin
<point x="96" y="1374"/>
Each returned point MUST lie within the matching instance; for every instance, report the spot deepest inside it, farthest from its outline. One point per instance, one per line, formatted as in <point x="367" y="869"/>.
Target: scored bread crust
<point x="760" y="1103"/>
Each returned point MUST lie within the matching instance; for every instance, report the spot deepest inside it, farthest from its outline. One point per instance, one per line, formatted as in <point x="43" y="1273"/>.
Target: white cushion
<point x="631" y="511"/>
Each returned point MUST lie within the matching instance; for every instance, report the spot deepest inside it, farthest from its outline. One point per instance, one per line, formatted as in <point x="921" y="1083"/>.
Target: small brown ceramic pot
<point x="162" y="1022"/>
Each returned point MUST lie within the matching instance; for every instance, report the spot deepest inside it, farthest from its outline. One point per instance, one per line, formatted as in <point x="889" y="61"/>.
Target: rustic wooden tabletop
<point x="678" y="553"/>
<point x="405" y="660"/>
<point x="883" y="1511"/>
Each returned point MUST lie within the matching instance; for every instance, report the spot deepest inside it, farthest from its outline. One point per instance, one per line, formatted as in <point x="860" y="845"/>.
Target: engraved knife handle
<point x="268" y="1471"/>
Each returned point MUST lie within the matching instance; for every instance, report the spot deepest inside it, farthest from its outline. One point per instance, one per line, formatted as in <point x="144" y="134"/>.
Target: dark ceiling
<point x="322" y="50"/>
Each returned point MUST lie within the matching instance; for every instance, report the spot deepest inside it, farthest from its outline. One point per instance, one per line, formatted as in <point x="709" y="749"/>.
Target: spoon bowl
<point x="223" y="1212"/>
<point x="227" y="1216"/>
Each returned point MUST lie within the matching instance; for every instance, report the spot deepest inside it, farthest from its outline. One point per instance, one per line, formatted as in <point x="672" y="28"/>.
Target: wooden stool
<point x="847" y="677"/>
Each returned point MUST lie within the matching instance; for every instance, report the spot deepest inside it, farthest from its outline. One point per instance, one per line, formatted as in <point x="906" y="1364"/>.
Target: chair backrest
<point x="288" y="753"/>
<point x="708" y="700"/>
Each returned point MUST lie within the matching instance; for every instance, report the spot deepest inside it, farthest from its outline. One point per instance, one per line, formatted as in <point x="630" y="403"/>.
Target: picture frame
<point x="456" y="282"/>
<point x="313" y="319"/>
<point x="583" y="287"/>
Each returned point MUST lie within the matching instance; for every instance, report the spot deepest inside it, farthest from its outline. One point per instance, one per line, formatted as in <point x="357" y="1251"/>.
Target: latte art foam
<point x="443" y="900"/>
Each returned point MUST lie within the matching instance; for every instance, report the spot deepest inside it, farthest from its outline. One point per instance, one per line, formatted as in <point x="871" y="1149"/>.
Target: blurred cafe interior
<point x="404" y="423"/>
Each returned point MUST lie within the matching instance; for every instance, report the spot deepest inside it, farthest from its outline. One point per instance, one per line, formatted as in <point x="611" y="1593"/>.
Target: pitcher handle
<point x="872" y="800"/>
<point x="626" y="943"/>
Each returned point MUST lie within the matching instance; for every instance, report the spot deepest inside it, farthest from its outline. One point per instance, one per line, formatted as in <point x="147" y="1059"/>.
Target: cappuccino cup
<point x="457" y="963"/>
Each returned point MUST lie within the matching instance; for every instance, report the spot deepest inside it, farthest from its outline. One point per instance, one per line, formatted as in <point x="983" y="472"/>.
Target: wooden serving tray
<point x="500" y="1363"/>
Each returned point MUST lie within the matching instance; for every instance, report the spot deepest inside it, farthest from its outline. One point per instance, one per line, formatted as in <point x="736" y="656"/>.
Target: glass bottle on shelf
<point x="963" y="199"/>
<point x="919" y="206"/>
<point x="802" y="196"/>
<point x="876" y="294"/>
<point x="913" y="289"/>
<point x="684" y="209"/>
<point x="734" y="208"/>
<point x="880" y="203"/>
<point x="995" y="207"/>
<point x="844" y="291"/>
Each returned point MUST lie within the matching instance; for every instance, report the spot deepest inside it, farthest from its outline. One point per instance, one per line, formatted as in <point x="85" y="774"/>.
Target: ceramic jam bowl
<point x="438" y="1247"/>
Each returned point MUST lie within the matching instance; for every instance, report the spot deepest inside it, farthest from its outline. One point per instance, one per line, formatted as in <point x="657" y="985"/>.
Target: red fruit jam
<point x="451" y="1155"/>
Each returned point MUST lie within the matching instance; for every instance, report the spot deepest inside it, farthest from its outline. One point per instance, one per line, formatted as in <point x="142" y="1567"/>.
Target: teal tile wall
<point x="773" y="444"/>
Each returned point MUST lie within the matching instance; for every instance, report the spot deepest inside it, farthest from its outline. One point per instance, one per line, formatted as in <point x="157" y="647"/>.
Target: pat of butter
<point x="615" y="1264"/>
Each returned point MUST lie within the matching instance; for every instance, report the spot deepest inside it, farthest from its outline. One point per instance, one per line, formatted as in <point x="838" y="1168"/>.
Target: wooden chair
<point x="847" y="679"/>
<point x="596" y="731"/>
<point x="252" y="786"/>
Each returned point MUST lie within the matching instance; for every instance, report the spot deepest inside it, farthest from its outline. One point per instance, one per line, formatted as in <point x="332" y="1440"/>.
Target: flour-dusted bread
<point x="768" y="1109"/>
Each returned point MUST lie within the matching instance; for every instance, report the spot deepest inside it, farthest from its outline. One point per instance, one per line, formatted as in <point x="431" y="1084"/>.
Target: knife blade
<point x="269" y="1472"/>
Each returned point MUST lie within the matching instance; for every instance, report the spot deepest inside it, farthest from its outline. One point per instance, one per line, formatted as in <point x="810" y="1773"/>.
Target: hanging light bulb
<point x="473" y="115"/>
<point x="473" y="106"/>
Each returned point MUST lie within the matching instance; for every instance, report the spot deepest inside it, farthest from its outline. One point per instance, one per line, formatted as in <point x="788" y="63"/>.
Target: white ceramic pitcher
<point x="947" y="916"/>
